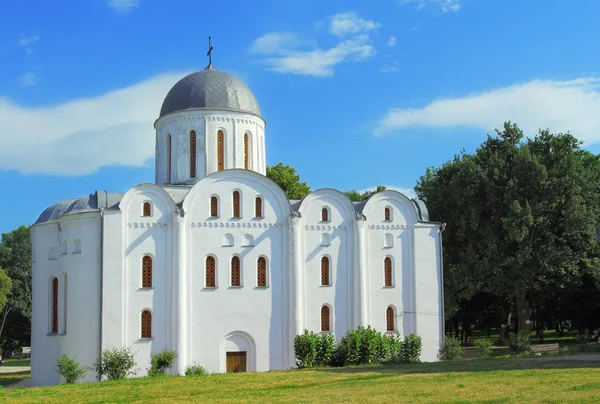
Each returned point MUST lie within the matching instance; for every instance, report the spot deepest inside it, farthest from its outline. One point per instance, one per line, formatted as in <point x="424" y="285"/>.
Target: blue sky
<point x="355" y="93"/>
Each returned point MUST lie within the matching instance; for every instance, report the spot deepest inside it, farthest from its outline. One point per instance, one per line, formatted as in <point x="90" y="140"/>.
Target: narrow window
<point x="221" y="151"/>
<point x="261" y="269"/>
<point x="325" y="271"/>
<point x="55" y="305"/>
<point x="235" y="271"/>
<point x="65" y="303"/>
<point x="146" y="324"/>
<point x="324" y="215"/>
<point x="147" y="271"/>
<point x="236" y="204"/>
<point x="246" y="152"/>
<point x="76" y="247"/>
<point x="325" y="319"/>
<point x="214" y="207"/>
<point x="169" y="158"/>
<point x="258" y="207"/>
<point x="193" y="154"/>
<point x="389" y="319"/>
<point x="211" y="279"/>
<point x="388" y="214"/>
<point x="147" y="211"/>
<point x="52" y="254"/>
<point x="387" y="266"/>
<point x="64" y="252"/>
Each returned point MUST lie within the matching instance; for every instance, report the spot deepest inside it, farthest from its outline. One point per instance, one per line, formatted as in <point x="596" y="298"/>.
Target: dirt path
<point x="14" y="369"/>
<point x="583" y="357"/>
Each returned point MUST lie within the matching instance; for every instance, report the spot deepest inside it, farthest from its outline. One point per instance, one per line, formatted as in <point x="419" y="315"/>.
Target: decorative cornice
<point x="147" y="225"/>
<point x="77" y="223"/>
<point x="322" y="227"/>
<point x="238" y="225"/>
<point x="212" y="118"/>
<point x="387" y="227"/>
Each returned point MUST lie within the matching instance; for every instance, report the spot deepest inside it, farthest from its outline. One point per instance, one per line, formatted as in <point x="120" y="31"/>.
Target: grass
<point x="17" y="362"/>
<point x="11" y="378"/>
<point x="499" y="380"/>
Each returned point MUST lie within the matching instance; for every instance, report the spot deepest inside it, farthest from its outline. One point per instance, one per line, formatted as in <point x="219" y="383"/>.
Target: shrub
<point x="362" y="346"/>
<point x="519" y="343"/>
<point x="338" y="357"/>
<point x="450" y="350"/>
<point x="195" y="370"/>
<point x="411" y="349"/>
<point x="325" y="345"/>
<point x="305" y="349"/>
<point x="484" y="348"/>
<point x="115" y="363"/>
<point x="70" y="369"/>
<point x="161" y="361"/>
<point x="391" y="351"/>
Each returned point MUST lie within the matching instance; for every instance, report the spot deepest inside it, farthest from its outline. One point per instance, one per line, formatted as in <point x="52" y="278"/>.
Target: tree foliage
<point x="288" y="180"/>
<point x="15" y="260"/>
<point x="356" y="196"/>
<point x="5" y="288"/>
<point x="521" y="217"/>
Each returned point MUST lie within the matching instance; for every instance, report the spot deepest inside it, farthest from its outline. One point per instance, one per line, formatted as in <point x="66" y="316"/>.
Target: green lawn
<point x="17" y="362"/>
<point x="500" y="380"/>
<point x="11" y="378"/>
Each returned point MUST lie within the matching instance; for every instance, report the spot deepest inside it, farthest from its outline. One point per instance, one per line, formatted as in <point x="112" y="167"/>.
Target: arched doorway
<point x="238" y="353"/>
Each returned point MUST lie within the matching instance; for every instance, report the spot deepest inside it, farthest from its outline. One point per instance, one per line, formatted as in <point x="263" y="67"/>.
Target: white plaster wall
<point x="260" y="314"/>
<point x="207" y="123"/>
<point x="79" y="301"/>
<point x="400" y="227"/>
<point x="146" y="236"/>
<point x="341" y="229"/>
<point x="428" y="280"/>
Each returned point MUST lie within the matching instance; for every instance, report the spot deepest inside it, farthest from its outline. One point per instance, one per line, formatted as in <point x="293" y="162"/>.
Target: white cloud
<point x="392" y="41"/>
<point x="28" y="42"/>
<point x="80" y="136"/>
<point x="350" y="22"/>
<point x="560" y="106"/>
<point x="124" y="6"/>
<point x="409" y="192"/>
<point x="286" y="52"/>
<point x="28" y="79"/>
<point x="388" y="68"/>
<point x="446" y="6"/>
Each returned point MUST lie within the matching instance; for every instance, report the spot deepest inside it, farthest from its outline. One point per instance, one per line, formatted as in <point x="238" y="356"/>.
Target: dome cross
<point x="209" y="53"/>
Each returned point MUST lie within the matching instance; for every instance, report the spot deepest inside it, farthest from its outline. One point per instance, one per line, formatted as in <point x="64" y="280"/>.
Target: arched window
<point x="147" y="271"/>
<point x="211" y="272"/>
<point x="248" y="241"/>
<point x="258" y="207"/>
<point x="325" y="239"/>
<point x="388" y="241"/>
<point x="246" y="152"/>
<point x="236" y="204"/>
<point x="64" y="248"/>
<point x="325" y="271"/>
<point x="235" y="271"/>
<point x="261" y="272"/>
<point x="54" y="327"/>
<point x="325" y="320"/>
<point x="324" y="215"/>
<point x="169" y="157"/>
<point x="387" y="267"/>
<point x="388" y="214"/>
<point x="193" y="154"/>
<point x="220" y="151"/>
<point x="389" y="319"/>
<point x="147" y="210"/>
<point x="52" y="254"/>
<point x="146" y="324"/>
<point x="228" y="240"/>
<point x="214" y="207"/>
<point x="64" y="303"/>
<point x="76" y="247"/>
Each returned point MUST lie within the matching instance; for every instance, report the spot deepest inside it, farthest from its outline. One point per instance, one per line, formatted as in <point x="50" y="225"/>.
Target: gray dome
<point x="210" y="89"/>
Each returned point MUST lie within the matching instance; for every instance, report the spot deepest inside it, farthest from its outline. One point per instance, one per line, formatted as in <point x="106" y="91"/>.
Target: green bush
<point x="411" y="349"/>
<point x="450" y="350"/>
<point x="195" y="370"/>
<point x="325" y="346"/>
<point x="70" y="369"/>
<point x="520" y="344"/>
<point x="391" y="348"/>
<point x="305" y="349"/>
<point x="362" y="346"/>
<point x="484" y="348"/>
<point x="115" y="363"/>
<point x="338" y="357"/>
<point x="161" y="361"/>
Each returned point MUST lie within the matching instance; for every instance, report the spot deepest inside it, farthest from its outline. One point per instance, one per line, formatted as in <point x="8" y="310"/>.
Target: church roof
<point x="210" y="89"/>
<point x="92" y="202"/>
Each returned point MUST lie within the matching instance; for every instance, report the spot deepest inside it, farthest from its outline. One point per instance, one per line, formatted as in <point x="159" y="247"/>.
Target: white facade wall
<point x="207" y="124"/>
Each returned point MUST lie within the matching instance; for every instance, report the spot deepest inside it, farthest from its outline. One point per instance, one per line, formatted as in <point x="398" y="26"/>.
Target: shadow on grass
<point x="11" y="378"/>
<point x="471" y="366"/>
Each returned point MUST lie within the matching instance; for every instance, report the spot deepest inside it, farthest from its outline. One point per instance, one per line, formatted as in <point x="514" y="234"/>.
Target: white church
<point x="214" y="262"/>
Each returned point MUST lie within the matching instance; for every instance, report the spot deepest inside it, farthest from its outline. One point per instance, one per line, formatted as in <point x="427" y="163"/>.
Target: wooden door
<point x="236" y="362"/>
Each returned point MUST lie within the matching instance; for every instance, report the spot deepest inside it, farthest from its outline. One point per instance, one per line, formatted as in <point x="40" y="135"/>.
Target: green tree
<point x="15" y="259"/>
<point x="5" y="288"/>
<point x="521" y="218"/>
<point x="356" y="196"/>
<point x="288" y="180"/>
